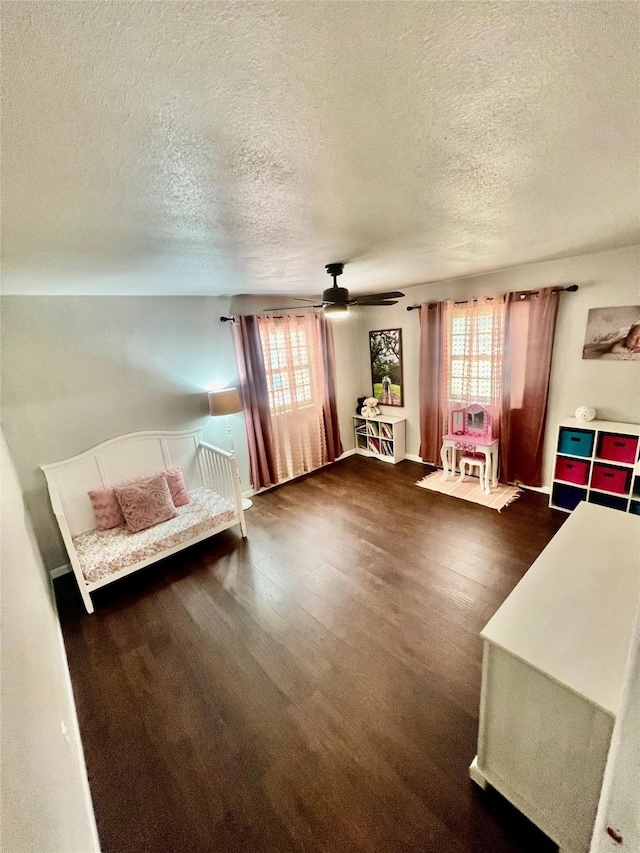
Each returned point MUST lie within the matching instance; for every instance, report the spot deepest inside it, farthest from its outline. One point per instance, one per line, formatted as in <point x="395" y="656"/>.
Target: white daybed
<point x="99" y="557"/>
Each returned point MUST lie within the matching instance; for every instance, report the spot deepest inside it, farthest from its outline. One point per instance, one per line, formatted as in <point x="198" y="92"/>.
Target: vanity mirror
<point x="457" y="421"/>
<point x="472" y="420"/>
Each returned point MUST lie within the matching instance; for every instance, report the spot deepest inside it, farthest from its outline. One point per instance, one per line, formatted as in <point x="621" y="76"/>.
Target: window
<point x="293" y="367"/>
<point x="474" y="341"/>
<point x="287" y="366"/>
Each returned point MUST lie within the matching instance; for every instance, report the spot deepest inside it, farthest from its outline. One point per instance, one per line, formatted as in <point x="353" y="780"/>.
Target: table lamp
<point x="224" y="403"/>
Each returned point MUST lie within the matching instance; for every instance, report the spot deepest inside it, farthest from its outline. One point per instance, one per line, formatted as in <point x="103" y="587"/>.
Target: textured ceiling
<point x="169" y="147"/>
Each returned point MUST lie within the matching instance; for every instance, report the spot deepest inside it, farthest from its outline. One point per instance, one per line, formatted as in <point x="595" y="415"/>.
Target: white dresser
<point x="553" y="668"/>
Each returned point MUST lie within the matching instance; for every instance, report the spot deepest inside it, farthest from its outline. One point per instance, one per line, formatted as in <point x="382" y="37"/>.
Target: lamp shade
<point x="225" y="402"/>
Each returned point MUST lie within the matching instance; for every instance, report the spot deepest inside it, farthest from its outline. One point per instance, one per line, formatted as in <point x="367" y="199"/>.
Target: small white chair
<point x="470" y="462"/>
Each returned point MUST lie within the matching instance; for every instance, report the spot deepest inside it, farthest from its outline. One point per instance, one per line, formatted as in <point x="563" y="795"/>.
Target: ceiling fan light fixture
<point x="335" y="294"/>
<point x="336" y="311"/>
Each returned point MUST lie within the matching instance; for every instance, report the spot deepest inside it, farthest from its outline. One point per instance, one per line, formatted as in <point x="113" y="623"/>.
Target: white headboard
<point x="115" y="460"/>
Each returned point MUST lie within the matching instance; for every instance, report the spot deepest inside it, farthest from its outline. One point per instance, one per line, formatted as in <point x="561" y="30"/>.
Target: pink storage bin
<point x="619" y="448"/>
<point x="610" y="479"/>
<point x="572" y="470"/>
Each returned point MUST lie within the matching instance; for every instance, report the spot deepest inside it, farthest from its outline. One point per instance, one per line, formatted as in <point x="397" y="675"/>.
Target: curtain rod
<point x="273" y="317"/>
<point x="571" y="288"/>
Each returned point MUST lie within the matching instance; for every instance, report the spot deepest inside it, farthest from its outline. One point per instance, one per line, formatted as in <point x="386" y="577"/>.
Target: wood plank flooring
<point x="313" y="688"/>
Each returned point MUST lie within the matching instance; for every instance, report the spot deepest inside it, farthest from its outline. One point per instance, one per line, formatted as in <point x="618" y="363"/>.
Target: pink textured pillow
<point x="175" y="481"/>
<point x="106" y="509"/>
<point x="145" y="503"/>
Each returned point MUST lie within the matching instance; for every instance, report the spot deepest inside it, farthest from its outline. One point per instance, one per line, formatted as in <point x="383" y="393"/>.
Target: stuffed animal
<point x="360" y="404"/>
<point x="370" y="408"/>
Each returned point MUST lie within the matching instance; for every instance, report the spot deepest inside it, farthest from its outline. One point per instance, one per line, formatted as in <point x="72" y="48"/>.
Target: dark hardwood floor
<point x="313" y="688"/>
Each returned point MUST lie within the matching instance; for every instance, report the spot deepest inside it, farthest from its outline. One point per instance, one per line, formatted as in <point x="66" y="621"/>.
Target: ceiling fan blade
<point x="376" y="297"/>
<point x="292" y="308"/>
<point x="370" y="302"/>
<point x="305" y="299"/>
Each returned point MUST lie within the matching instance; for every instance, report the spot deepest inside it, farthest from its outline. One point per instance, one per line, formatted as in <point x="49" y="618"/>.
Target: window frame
<point x="274" y="367"/>
<point x="474" y="361"/>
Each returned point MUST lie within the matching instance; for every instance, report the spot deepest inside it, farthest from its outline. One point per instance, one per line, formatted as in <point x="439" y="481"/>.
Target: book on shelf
<point x="374" y="445"/>
<point x="386" y="431"/>
<point x="387" y="447"/>
<point x="372" y="429"/>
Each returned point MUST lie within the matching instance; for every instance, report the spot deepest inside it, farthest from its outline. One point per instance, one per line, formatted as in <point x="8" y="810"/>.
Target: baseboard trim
<point x="291" y="479"/>
<point x="347" y="453"/>
<point x="413" y="458"/>
<point x="60" y="570"/>
<point x="543" y="490"/>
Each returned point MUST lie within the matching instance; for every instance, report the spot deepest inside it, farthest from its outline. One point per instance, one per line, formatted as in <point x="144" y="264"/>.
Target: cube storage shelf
<point x="382" y="437"/>
<point x="597" y="462"/>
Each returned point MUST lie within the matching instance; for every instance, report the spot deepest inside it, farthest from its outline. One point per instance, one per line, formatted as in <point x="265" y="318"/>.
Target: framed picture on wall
<point x="385" y="347"/>
<point x="613" y="334"/>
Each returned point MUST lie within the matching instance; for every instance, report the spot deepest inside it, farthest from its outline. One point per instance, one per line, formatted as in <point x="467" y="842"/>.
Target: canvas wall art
<point x="613" y="334"/>
<point x="386" y="366"/>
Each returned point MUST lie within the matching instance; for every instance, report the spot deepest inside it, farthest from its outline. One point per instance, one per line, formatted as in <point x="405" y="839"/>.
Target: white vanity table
<point x="553" y="666"/>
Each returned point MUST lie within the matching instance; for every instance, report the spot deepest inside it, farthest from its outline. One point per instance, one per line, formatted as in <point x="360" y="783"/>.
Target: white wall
<point x="605" y="279"/>
<point x="46" y="805"/>
<point x="79" y="370"/>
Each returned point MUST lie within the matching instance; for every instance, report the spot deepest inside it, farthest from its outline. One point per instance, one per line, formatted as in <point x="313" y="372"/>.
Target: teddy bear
<point x="370" y="408"/>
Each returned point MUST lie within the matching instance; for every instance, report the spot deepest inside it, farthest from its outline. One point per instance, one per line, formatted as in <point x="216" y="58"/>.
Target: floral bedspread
<point x="104" y="552"/>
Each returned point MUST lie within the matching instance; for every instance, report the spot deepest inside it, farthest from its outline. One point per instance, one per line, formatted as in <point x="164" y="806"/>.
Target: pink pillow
<point x="145" y="503"/>
<point x="106" y="508"/>
<point x="175" y="481"/>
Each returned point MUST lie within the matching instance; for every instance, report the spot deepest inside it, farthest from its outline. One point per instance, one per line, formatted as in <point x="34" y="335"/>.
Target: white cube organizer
<point x="382" y="437"/>
<point x="597" y="462"/>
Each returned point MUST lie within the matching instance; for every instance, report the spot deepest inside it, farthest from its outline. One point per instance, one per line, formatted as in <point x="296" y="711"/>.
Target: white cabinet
<point x="553" y="669"/>
<point x="382" y="437"/>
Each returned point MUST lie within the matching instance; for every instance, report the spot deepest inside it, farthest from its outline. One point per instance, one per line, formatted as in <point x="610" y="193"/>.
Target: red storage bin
<point x="610" y="479"/>
<point x="619" y="448"/>
<point x="572" y="470"/>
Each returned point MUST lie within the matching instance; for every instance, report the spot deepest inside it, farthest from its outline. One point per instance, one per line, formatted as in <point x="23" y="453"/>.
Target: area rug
<point x="469" y="490"/>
